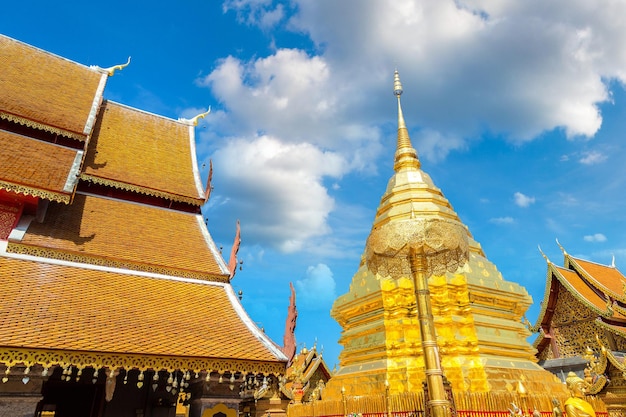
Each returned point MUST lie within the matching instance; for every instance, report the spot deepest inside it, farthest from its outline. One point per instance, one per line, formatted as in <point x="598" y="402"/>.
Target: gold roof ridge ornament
<point x="561" y="247"/>
<point x="544" y="255"/>
<point x="111" y="70"/>
<point x="194" y="120"/>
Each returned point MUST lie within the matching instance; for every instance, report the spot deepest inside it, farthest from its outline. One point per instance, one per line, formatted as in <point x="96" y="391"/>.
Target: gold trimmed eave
<point x="40" y="126"/>
<point x="619" y="331"/>
<point x="618" y="308"/>
<point x="142" y="190"/>
<point x="70" y="256"/>
<point x="544" y="303"/>
<point x="47" y="358"/>
<point x="36" y="192"/>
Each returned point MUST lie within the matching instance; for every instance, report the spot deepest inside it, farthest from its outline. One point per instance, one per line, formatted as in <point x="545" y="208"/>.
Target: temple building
<point x="475" y="315"/>
<point x="116" y="300"/>
<point x="582" y="327"/>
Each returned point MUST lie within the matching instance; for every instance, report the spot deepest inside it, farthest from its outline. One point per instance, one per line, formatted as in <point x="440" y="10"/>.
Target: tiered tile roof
<point x="111" y="264"/>
<point x="598" y="288"/>
<point x="46" y="91"/>
<point x="142" y="152"/>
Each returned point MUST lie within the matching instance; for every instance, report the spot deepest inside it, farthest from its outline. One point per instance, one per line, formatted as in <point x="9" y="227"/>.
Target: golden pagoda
<point x="474" y="315"/>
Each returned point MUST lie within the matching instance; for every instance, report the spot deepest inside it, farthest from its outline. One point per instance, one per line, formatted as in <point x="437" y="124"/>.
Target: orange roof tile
<point x="48" y="306"/>
<point x="583" y="289"/>
<point x="29" y="164"/>
<point x="586" y="291"/>
<point x="605" y="276"/>
<point x="130" y="235"/>
<point x="48" y="90"/>
<point x="139" y="151"/>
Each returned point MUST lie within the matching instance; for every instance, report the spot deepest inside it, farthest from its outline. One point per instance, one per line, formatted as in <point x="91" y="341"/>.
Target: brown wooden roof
<point x="117" y="233"/>
<point x="30" y="166"/>
<point x="69" y="308"/>
<point x="138" y="151"/>
<point x="51" y="92"/>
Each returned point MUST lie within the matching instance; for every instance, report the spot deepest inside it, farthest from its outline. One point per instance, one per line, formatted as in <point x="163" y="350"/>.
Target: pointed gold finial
<point x="561" y="247"/>
<point x="406" y="156"/>
<point x="194" y="120"/>
<point x="543" y="254"/>
<point x="111" y="70"/>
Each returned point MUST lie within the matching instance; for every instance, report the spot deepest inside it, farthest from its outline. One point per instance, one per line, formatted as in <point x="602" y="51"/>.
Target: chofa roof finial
<point x="194" y="120"/>
<point x="111" y="70"/>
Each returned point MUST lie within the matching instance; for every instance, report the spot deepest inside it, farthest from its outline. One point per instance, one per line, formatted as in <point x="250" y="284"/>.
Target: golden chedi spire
<point x="414" y="205"/>
<point x="476" y="314"/>
<point x="406" y="156"/>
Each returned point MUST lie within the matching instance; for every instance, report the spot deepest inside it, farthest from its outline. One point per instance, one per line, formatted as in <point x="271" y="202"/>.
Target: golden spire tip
<point x="397" y="85"/>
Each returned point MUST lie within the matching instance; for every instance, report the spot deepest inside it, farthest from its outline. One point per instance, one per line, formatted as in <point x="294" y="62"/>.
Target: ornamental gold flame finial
<point x="406" y="156"/>
<point x="111" y="70"/>
<point x="194" y="120"/>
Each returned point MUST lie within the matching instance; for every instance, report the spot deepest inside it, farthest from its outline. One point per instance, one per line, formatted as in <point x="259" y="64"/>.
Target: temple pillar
<point x="18" y="405"/>
<point x="20" y="390"/>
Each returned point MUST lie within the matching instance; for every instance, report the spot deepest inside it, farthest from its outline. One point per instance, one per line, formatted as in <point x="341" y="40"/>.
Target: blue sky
<point x="516" y="108"/>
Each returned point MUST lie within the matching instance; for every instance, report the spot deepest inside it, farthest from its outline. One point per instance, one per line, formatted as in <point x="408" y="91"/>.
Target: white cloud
<point x="292" y="97"/>
<point x="260" y="13"/>
<point x="317" y="289"/>
<point x="597" y="237"/>
<point x="502" y="220"/>
<point x="513" y="69"/>
<point x="277" y="188"/>
<point x="523" y="200"/>
<point x="592" y="158"/>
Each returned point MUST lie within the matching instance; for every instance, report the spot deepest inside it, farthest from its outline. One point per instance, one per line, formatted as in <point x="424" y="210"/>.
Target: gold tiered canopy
<point x="477" y="314"/>
<point x="105" y="258"/>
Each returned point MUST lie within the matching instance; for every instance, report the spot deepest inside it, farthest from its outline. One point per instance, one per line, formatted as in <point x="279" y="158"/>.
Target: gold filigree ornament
<point x="443" y="244"/>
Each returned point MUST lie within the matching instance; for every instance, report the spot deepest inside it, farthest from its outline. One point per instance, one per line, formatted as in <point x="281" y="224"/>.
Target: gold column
<point x="440" y="406"/>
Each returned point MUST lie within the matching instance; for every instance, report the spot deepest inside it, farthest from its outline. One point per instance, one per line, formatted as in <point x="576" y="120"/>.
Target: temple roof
<point x="70" y="307"/>
<point x="47" y="92"/>
<point x="115" y="278"/>
<point x="113" y="232"/>
<point x="593" y="285"/>
<point x="50" y="175"/>
<point x="142" y="152"/>
<point x="607" y="279"/>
